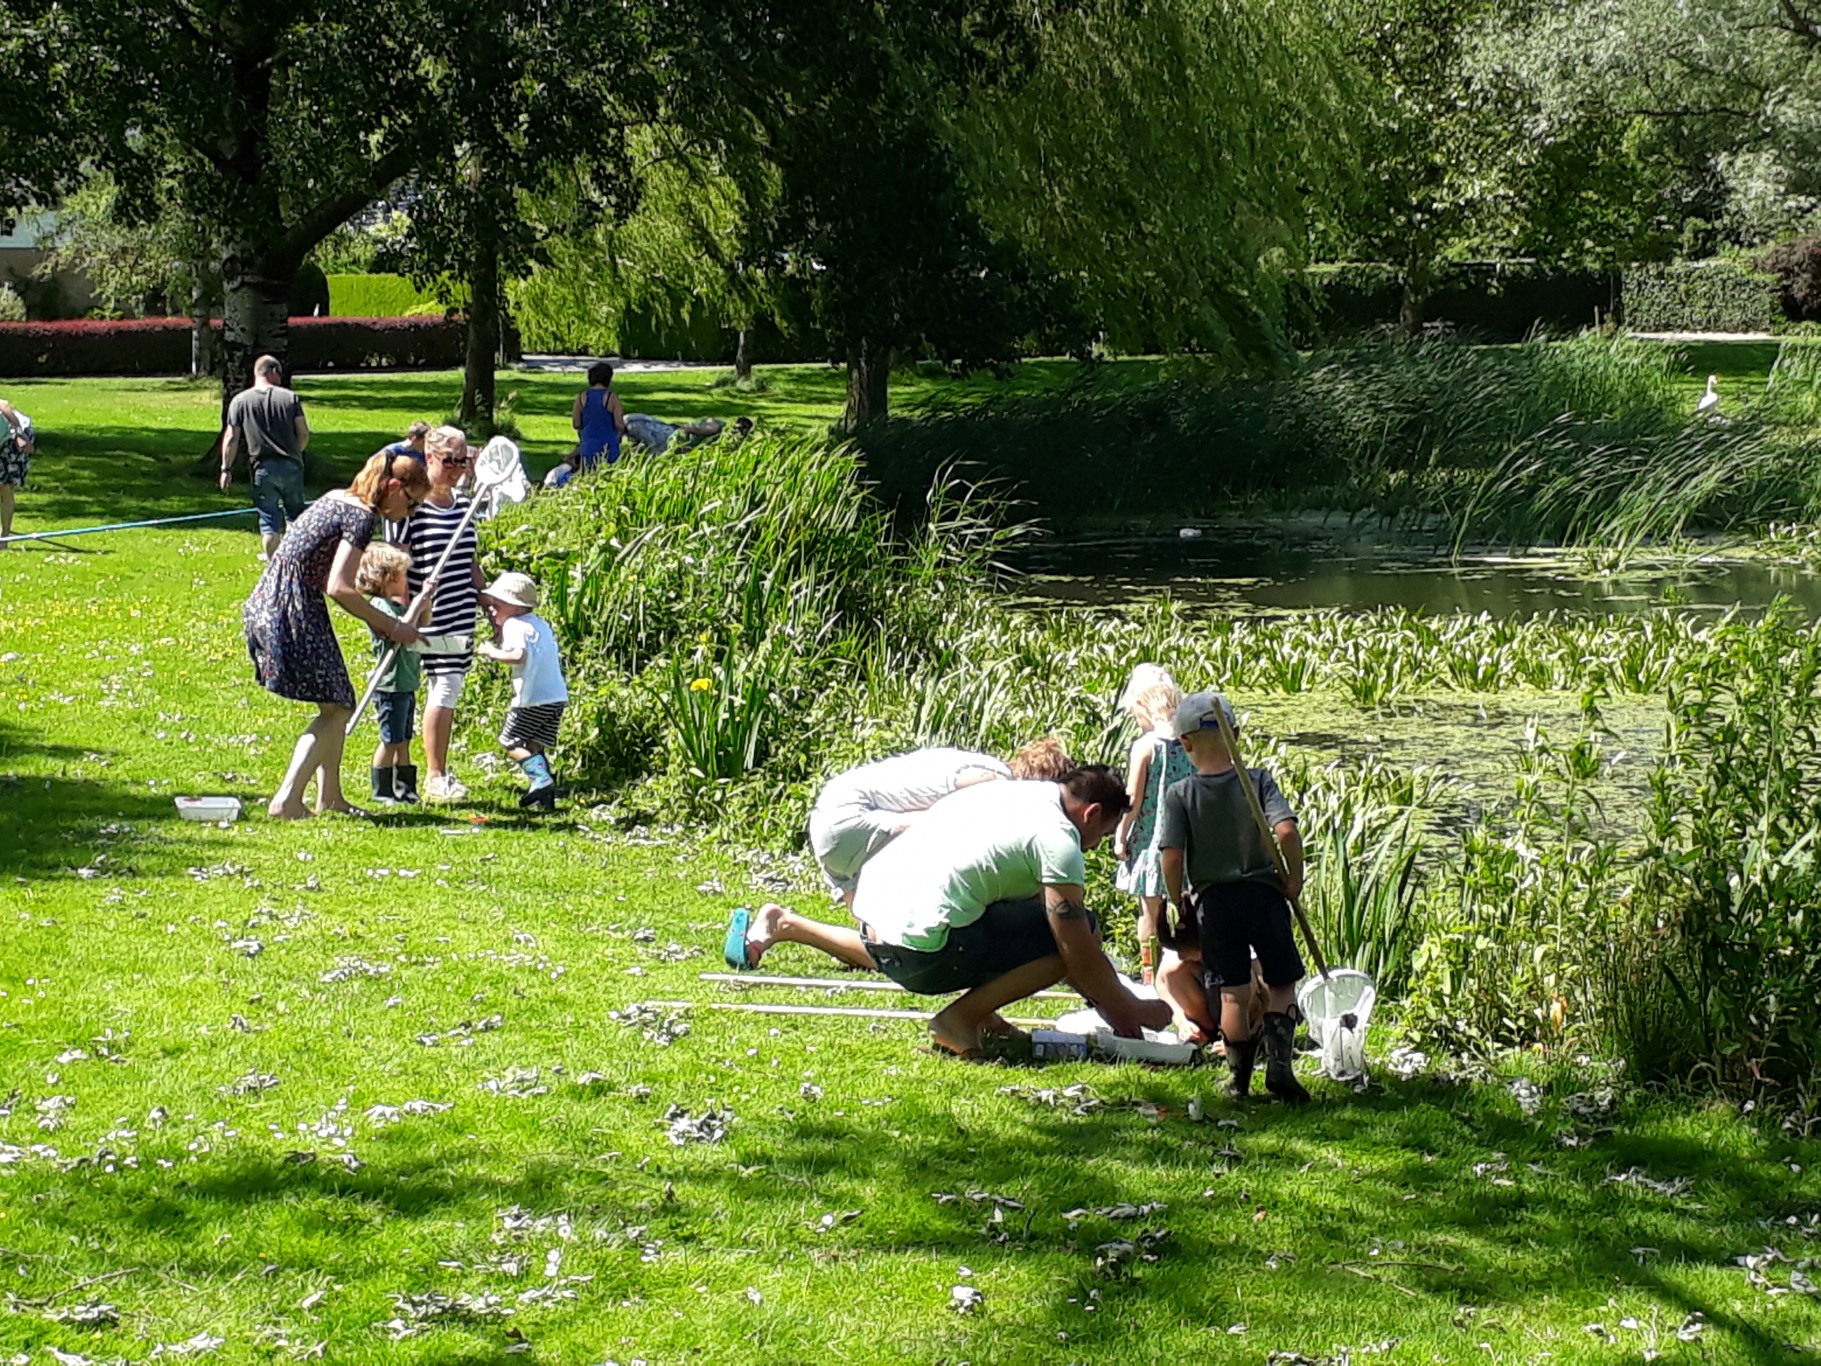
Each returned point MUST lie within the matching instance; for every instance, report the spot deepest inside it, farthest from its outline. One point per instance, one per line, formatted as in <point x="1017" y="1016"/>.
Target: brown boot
<point x="1242" y="1057"/>
<point x="1280" y="1058"/>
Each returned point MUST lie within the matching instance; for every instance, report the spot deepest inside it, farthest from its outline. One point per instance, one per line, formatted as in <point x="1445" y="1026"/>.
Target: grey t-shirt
<point x="1207" y="817"/>
<point x="267" y="421"/>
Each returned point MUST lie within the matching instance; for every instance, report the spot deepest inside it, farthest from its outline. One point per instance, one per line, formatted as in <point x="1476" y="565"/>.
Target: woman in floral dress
<point x="289" y="633"/>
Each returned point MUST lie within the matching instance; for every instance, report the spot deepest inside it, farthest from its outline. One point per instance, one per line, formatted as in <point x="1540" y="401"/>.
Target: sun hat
<point x="1198" y="711"/>
<point x="514" y="589"/>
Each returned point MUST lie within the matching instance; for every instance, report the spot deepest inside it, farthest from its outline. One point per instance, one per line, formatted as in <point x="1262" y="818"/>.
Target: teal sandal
<point x="733" y="948"/>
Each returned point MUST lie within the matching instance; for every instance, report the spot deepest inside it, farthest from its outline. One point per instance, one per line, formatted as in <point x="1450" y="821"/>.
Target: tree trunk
<point x="868" y="385"/>
<point x="1417" y="281"/>
<point x="202" y="336"/>
<point x="255" y="294"/>
<point x="742" y="359"/>
<point x="478" y="369"/>
<point x="255" y="319"/>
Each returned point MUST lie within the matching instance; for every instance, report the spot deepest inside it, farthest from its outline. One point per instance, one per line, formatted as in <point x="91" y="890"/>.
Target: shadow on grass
<point x="1397" y="1233"/>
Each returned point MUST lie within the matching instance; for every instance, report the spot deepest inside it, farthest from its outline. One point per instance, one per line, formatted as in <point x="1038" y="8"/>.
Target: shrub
<point x="12" y="307"/>
<point x="309" y="297"/>
<point x="1797" y="266"/>
<point x="1702" y="296"/>
<point x="1493" y="300"/>
<point x="380" y="296"/>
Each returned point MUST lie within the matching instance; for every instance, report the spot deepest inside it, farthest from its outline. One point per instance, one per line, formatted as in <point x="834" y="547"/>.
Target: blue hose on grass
<point x="122" y="526"/>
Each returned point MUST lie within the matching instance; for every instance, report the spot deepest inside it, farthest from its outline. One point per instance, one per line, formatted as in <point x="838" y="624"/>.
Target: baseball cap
<point x="1198" y="710"/>
<point x="514" y="589"/>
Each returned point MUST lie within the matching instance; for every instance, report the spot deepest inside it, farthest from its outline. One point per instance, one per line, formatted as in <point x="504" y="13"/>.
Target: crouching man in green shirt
<point x="985" y="895"/>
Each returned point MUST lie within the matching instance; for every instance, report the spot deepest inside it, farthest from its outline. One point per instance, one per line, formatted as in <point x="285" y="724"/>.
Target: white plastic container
<point x="1154" y="1047"/>
<point x="209" y="808"/>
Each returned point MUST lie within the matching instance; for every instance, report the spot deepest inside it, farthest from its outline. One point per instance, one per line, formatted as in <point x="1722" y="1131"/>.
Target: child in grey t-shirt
<point x="1221" y="876"/>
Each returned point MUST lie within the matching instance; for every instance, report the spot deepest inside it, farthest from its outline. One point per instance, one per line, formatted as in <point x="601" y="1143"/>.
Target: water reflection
<point x="1221" y="570"/>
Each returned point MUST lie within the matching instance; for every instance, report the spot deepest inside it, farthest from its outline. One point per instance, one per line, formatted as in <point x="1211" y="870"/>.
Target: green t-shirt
<point x="406" y="670"/>
<point x="999" y="841"/>
<point x="1206" y="815"/>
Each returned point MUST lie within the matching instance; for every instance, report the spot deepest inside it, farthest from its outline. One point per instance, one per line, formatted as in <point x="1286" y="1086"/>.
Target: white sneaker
<point x="441" y="787"/>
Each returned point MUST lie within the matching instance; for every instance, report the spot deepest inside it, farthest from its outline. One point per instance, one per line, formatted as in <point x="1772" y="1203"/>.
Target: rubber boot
<point x="382" y="786"/>
<point x="1242" y="1056"/>
<point x="542" y="792"/>
<point x="1280" y="1058"/>
<point x="404" y="785"/>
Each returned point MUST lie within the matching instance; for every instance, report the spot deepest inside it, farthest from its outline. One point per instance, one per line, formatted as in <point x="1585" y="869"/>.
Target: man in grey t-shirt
<point x="270" y="418"/>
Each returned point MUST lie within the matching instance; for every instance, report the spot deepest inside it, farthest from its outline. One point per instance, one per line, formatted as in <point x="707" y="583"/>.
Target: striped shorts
<point x="532" y="728"/>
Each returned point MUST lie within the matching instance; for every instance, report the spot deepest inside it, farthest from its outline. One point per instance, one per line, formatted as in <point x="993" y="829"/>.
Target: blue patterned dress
<point x="1141" y="873"/>
<point x="289" y="634"/>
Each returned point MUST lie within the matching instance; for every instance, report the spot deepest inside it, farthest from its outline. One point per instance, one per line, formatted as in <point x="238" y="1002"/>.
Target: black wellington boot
<point x="1242" y="1057"/>
<point x="404" y="786"/>
<point x="382" y="786"/>
<point x="1280" y="1058"/>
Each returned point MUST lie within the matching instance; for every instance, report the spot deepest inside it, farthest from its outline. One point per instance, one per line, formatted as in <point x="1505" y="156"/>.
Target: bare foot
<point x="958" y="1038"/>
<point x="288" y="813"/>
<point x="763" y="932"/>
<point x="344" y="808"/>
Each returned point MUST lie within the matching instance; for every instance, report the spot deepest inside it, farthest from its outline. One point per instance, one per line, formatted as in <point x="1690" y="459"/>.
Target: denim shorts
<point x="1007" y="935"/>
<point x="278" y="493"/>
<point x="396" y="711"/>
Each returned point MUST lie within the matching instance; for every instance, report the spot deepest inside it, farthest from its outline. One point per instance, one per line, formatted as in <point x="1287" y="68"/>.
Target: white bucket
<point x="1338" y="1009"/>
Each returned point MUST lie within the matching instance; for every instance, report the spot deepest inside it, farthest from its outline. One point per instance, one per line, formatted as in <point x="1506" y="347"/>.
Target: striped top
<point x="426" y="535"/>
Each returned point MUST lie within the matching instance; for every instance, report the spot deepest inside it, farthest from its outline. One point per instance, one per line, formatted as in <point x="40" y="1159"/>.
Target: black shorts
<point x="1234" y="920"/>
<point x="1007" y="935"/>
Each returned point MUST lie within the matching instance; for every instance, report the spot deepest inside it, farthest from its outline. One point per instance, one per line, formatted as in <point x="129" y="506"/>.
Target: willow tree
<point x="1167" y="159"/>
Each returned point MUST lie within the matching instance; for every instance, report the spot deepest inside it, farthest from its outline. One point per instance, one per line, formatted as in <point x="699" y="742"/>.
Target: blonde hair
<point x="1144" y="676"/>
<point x="1157" y="704"/>
<point x="378" y="563"/>
<point x="382" y="473"/>
<point x="1044" y="760"/>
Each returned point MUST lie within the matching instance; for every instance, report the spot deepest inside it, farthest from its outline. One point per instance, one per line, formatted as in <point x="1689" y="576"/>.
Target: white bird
<point x="1710" y="401"/>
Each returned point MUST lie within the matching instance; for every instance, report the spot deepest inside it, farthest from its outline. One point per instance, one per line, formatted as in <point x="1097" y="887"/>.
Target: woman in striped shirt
<point x="454" y="598"/>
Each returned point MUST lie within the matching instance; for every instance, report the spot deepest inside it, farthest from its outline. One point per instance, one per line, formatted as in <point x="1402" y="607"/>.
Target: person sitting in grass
<point x="657" y="436"/>
<point x="1222" y="879"/>
<point x="525" y="641"/>
<point x="856" y="815"/>
<point x="382" y="579"/>
<point x="412" y="443"/>
<point x="985" y="895"/>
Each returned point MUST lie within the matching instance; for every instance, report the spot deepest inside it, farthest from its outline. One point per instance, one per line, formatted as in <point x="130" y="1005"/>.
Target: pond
<point x="1302" y="566"/>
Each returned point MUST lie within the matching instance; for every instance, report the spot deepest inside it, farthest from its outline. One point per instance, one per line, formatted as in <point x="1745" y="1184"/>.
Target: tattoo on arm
<point x="1069" y="909"/>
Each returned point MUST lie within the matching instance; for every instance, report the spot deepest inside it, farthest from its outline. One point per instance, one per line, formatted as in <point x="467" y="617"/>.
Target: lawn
<point x="416" y="1089"/>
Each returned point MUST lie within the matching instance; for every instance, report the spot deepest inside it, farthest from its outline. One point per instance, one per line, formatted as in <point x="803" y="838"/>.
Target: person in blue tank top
<point x="598" y="419"/>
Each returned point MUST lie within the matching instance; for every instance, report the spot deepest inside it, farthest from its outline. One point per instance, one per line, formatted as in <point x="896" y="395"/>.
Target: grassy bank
<point x="225" y="1056"/>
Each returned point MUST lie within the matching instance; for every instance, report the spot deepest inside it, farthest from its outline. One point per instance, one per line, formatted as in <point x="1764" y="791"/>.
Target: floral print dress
<point x="289" y="634"/>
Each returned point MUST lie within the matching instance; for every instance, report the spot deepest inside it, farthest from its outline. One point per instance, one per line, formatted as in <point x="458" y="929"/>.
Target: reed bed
<point x="746" y="622"/>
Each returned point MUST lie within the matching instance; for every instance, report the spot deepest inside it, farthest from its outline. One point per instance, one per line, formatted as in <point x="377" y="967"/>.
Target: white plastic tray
<point x="209" y="808"/>
<point x="1155" y="1047"/>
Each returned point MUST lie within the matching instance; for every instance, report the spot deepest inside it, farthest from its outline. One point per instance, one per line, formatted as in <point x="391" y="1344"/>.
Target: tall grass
<point x="1583" y="441"/>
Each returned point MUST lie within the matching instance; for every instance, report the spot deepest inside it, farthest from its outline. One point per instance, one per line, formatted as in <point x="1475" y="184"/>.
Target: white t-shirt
<point x="993" y="842"/>
<point x="538" y="679"/>
<point x="907" y="782"/>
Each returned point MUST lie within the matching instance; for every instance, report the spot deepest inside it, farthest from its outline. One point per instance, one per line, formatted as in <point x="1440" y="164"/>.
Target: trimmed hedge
<point x="1491" y="300"/>
<point x="379" y="296"/>
<point x="1703" y="296"/>
<point x="161" y="346"/>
